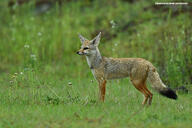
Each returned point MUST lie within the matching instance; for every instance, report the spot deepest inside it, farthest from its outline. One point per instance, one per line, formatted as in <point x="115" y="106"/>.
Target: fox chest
<point x="98" y="74"/>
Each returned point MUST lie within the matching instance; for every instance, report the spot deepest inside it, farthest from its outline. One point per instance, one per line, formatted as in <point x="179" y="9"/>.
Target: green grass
<point x="38" y="59"/>
<point x="30" y="100"/>
<point x="162" y="36"/>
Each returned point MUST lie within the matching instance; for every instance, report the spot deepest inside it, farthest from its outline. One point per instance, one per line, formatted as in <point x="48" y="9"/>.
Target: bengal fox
<point x="139" y="70"/>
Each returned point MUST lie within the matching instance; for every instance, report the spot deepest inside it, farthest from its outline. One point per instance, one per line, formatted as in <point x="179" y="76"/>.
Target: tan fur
<point x="138" y="69"/>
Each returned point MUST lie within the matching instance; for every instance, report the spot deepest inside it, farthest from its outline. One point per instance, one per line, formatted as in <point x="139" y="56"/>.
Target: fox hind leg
<point x="140" y="86"/>
<point x="146" y="99"/>
<point x="149" y="93"/>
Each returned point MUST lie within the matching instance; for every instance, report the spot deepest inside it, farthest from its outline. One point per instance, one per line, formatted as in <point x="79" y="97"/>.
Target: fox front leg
<point x="102" y="89"/>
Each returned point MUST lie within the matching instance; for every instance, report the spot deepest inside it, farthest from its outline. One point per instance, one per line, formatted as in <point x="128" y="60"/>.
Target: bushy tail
<point x="158" y="85"/>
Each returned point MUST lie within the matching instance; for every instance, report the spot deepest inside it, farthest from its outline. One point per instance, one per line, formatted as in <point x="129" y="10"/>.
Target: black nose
<point x="77" y="52"/>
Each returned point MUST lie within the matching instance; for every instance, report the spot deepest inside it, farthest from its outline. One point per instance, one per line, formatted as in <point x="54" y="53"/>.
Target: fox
<point x="138" y="70"/>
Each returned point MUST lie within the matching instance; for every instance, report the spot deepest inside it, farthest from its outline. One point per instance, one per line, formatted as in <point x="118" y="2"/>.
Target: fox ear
<point x="82" y="39"/>
<point x="96" y="40"/>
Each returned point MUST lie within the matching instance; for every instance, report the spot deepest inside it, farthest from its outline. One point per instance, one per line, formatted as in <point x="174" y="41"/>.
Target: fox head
<point x="88" y="47"/>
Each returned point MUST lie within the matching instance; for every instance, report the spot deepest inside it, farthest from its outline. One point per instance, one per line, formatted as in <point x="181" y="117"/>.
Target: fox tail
<point x="158" y="85"/>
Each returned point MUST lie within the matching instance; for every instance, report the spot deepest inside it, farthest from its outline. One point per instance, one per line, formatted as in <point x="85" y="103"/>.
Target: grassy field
<point x="33" y="101"/>
<point x="43" y="83"/>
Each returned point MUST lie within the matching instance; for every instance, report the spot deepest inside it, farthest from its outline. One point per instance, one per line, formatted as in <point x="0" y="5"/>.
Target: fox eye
<point x="85" y="48"/>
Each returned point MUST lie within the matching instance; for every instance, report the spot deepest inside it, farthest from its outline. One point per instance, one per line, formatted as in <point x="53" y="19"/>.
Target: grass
<point x="38" y="61"/>
<point x="32" y="100"/>
<point x="162" y="36"/>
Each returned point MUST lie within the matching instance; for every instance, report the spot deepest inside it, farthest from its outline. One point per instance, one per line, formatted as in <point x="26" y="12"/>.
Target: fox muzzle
<point x="80" y="53"/>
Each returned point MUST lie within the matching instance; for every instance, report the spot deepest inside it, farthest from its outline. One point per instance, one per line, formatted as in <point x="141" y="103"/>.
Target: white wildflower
<point x="26" y="46"/>
<point x="33" y="56"/>
<point x="113" y="24"/>
<point x="69" y="83"/>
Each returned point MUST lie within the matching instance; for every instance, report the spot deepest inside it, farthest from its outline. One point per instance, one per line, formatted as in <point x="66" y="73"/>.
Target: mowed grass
<point x="53" y="102"/>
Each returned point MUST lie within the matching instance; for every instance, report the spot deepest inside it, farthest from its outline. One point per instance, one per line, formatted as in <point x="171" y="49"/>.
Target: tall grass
<point x="48" y="41"/>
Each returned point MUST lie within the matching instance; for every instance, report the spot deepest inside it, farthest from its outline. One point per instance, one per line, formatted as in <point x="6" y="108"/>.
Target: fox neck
<point x="94" y="60"/>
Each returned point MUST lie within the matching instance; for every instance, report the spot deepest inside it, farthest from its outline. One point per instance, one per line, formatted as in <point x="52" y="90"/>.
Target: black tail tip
<point x="169" y="93"/>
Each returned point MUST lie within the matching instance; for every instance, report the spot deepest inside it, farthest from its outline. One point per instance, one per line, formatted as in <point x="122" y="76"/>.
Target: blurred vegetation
<point x="47" y="41"/>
